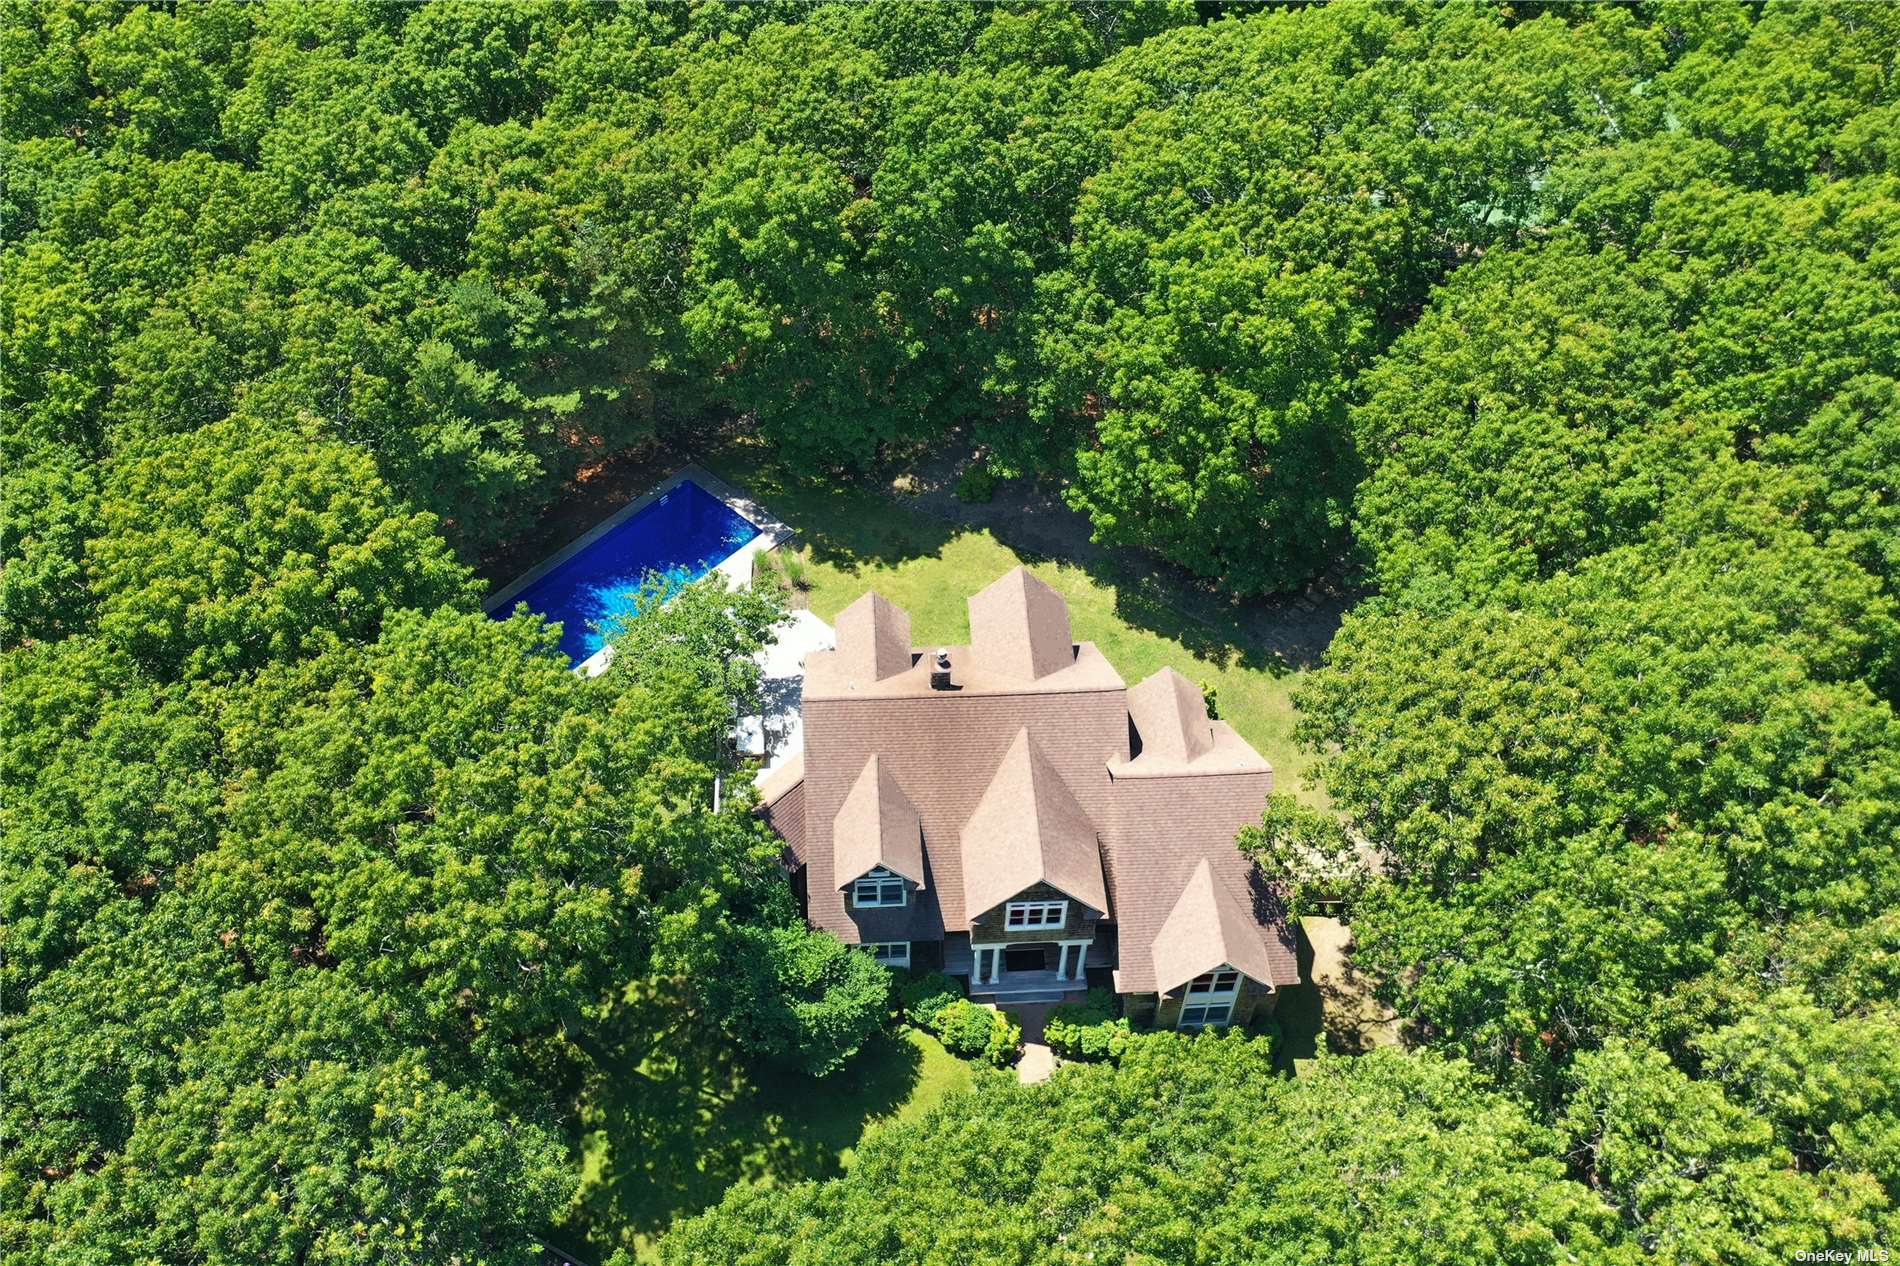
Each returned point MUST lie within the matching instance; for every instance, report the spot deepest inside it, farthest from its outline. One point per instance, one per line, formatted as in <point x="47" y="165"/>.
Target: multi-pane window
<point x="1024" y="915"/>
<point x="1200" y="1015"/>
<point x="890" y="953"/>
<point x="1221" y="980"/>
<point x="878" y="888"/>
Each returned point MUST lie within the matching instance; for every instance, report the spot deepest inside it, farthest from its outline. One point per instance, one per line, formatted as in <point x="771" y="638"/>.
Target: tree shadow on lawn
<point x="1334" y="1002"/>
<point x="842" y="520"/>
<point x="1274" y="635"/>
<point x="667" y="1141"/>
<point x="854" y="522"/>
<point x="1277" y="636"/>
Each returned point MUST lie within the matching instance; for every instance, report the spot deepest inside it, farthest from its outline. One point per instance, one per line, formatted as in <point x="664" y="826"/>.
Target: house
<point x="1012" y="812"/>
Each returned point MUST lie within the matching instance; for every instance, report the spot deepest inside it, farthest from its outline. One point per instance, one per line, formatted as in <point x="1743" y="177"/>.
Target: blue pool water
<point x="682" y="536"/>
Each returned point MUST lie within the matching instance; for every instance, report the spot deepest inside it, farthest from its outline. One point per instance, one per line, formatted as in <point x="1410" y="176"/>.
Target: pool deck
<point x="777" y="734"/>
<point x="735" y="567"/>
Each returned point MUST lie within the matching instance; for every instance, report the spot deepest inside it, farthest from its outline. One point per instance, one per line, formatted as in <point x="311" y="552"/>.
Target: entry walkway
<point x="1038" y="1060"/>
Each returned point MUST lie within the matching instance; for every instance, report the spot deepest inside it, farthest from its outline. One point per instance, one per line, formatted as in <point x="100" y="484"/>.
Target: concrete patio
<point x="777" y="734"/>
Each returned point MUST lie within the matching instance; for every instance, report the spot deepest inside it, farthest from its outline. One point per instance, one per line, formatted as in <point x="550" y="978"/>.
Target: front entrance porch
<point x="1039" y="970"/>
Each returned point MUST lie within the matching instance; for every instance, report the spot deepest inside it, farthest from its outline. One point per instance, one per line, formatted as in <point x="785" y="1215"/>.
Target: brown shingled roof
<point x="1028" y="829"/>
<point x="1019" y="627"/>
<point x="1207" y="929"/>
<point x="873" y="638"/>
<point x="1171" y="717"/>
<point x="877" y="826"/>
<point x="1023" y="774"/>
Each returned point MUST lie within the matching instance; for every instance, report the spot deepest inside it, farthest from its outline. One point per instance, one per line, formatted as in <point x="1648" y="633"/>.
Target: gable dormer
<point x="877" y="839"/>
<point x="1027" y="834"/>
<point x="1209" y="942"/>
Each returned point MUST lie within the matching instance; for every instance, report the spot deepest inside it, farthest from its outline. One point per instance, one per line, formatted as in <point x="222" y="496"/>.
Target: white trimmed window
<point x="1021" y="916"/>
<point x="1221" y="982"/>
<point x="890" y="953"/>
<point x="1210" y="998"/>
<point x="877" y="888"/>
<point x="1198" y="1015"/>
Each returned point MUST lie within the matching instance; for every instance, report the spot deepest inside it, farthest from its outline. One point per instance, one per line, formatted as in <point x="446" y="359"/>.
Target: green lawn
<point x="664" y="1142"/>
<point x="857" y="539"/>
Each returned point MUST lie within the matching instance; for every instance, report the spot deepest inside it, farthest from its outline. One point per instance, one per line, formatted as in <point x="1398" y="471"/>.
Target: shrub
<point x="977" y="483"/>
<point x="963" y="1026"/>
<point x="1266" y="1027"/>
<point x="1005" y="1042"/>
<point x="795" y="576"/>
<point x="919" y="998"/>
<point x="802" y="997"/>
<point x="1088" y="1043"/>
<point x="974" y="1032"/>
<point x="1097" y="1007"/>
<point x="1087" y="1030"/>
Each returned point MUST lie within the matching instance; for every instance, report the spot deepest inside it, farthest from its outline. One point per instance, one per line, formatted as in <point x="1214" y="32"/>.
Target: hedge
<point x="1087" y="1031"/>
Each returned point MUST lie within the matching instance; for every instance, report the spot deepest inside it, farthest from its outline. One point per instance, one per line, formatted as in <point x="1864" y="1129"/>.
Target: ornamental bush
<point x="1088" y="1030"/>
<point x="920" y="998"/>
<point x="977" y="484"/>
<point x="1005" y="1044"/>
<point x="974" y="1032"/>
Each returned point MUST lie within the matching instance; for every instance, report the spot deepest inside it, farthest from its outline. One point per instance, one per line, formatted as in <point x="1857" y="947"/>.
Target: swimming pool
<point x="590" y="589"/>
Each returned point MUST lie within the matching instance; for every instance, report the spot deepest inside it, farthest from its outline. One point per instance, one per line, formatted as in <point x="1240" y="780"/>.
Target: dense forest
<point x="1574" y="330"/>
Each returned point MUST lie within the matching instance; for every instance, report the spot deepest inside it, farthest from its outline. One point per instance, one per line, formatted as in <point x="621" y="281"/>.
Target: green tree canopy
<point x="1191" y="1150"/>
<point x="239" y="544"/>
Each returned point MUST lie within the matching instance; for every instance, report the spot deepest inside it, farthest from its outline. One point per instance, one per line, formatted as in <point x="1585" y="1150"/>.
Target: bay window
<point x="1210" y="998"/>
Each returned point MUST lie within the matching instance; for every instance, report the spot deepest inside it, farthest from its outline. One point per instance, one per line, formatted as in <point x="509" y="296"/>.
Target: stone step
<point x="1016" y="999"/>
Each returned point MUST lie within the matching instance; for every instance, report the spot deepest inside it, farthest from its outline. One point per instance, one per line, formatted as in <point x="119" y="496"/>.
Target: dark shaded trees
<point x="1191" y="1150"/>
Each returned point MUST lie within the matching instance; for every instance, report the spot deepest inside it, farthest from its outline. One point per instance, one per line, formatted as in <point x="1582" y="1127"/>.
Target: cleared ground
<point x="1250" y="657"/>
<point x="1333" y="1009"/>
<point x="700" y="1125"/>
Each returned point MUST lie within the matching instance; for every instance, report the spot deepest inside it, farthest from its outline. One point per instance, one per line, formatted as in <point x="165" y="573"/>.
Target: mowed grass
<point x="854" y="539"/>
<point x="668" y="1139"/>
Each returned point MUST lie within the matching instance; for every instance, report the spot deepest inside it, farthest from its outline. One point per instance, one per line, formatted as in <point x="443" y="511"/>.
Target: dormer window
<point x="878" y="887"/>
<point x="1023" y="916"/>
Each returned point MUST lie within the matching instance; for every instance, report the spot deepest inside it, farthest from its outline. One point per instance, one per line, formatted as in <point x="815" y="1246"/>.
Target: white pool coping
<point x="736" y="567"/>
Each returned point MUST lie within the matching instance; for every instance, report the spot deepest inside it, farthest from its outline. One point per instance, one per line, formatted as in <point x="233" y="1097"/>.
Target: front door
<point x="1030" y="958"/>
